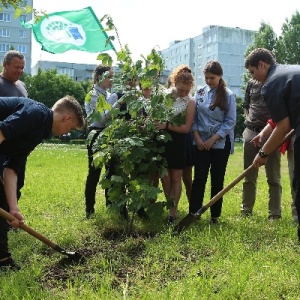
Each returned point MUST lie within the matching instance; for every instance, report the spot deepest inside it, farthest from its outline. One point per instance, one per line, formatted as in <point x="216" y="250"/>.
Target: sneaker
<point x="9" y="264"/>
<point x="214" y="221"/>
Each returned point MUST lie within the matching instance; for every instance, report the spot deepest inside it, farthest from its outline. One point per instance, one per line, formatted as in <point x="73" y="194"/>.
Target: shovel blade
<point x="186" y="222"/>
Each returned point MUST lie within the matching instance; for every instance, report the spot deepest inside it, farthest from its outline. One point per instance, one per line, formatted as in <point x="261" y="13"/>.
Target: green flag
<point x="59" y="32"/>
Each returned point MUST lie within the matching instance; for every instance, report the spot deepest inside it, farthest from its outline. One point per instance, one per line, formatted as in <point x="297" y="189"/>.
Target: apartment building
<point x="13" y="35"/>
<point x="78" y="72"/>
<point x="224" y="44"/>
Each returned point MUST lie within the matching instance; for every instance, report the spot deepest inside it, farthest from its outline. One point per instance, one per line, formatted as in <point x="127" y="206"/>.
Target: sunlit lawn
<point x="241" y="258"/>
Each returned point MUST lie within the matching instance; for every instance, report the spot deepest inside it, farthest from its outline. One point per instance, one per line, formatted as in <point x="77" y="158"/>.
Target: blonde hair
<point x="71" y="105"/>
<point x="182" y="73"/>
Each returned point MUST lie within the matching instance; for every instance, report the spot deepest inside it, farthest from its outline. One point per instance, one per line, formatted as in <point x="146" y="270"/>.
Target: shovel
<point x="191" y="218"/>
<point x="74" y="256"/>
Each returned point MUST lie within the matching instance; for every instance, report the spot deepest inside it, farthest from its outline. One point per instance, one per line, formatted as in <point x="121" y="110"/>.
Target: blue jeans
<point x="215" y="162"/>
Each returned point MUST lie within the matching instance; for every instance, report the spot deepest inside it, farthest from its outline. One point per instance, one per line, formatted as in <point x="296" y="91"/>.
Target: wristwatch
<point x="262" y="154"/>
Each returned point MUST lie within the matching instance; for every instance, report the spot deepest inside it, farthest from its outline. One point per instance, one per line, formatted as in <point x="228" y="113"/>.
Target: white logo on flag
<point x="61" y="30"/>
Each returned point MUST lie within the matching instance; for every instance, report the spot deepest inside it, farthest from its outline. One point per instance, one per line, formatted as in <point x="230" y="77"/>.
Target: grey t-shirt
<point x="10" y="89"/>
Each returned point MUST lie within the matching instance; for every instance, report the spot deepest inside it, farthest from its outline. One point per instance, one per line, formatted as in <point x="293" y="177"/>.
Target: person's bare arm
<point x="258" y="139"/>
<point x="10" y="186"/>
<point x="274" y="141"/>
<point x="2" y="137"/>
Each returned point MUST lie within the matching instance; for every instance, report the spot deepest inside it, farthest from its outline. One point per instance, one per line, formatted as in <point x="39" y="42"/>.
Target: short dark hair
<point x="9" y="55"/>
<point x="100" y="69"/>
<point x="257" y="55"/>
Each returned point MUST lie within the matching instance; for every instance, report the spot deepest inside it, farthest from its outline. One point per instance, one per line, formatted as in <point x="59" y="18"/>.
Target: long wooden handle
<point x="4" y="214"/>
<point x="239" y="178"/>
<point x="215" y="198"/>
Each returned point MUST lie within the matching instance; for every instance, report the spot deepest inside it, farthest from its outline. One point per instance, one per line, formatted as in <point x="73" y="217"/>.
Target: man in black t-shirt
<point x="25" y="123"/>
<point x="281" y="91"/>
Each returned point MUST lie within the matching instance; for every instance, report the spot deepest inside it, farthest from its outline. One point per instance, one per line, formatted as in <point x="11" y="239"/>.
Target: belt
<point x="255" y="128"/>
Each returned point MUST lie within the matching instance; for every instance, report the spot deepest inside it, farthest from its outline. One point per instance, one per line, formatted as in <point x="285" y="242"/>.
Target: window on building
<point x="22" y="34"/>
<point x="23" y="3"/>
<point x="23" y="18"/>
<point x="199" y="46"/>
<point x="185" y="56"/>
<point x="22" y="48"/>
<point x="4" y="32"/>
<point x="66" y="71"/>
<point x="5" y="17"/>
<point x="4" y="47"/>
<point x="186" y="46"/>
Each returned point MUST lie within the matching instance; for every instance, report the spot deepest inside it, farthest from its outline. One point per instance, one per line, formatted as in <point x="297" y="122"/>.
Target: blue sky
<point x="144" y="25"/>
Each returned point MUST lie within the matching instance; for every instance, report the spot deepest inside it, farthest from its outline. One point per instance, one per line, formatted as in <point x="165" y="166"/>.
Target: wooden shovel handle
<point x="240" y="177"/>
<point x="4" y="214"/>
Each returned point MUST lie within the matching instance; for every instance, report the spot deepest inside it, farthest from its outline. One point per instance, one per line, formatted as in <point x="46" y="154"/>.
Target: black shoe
<point x="214" y="221"/>
<point x="90" y="214"/>
<point x="9" y="264"/>
<point x="142" y="214"/>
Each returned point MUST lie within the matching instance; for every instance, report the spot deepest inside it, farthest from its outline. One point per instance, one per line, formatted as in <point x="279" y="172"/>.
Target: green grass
<point x="242" y="258"/>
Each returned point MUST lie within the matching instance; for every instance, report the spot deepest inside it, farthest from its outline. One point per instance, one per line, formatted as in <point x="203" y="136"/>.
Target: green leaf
<point x="105" y="58"/>
<point x="102" y="105"/>
<point x="88" y="97"/>
<point x="156" y="210"/>
<point x="18" y="12"/>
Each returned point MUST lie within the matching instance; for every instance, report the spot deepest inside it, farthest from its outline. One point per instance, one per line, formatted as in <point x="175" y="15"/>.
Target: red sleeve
<point x="273" y="124"/>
